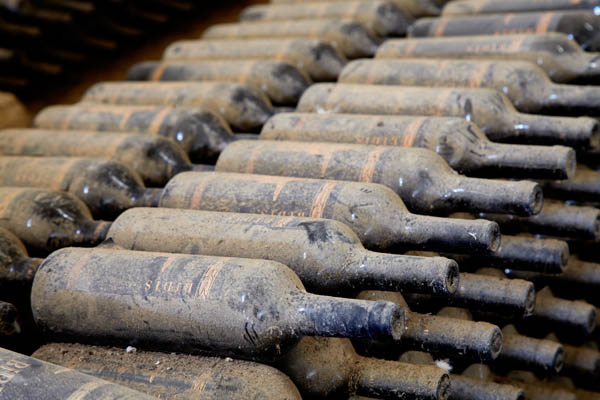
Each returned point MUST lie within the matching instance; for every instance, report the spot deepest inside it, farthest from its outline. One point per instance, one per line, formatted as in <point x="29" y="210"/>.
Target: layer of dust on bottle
<point x="320" y="60"/>
<point x="173" y="375"/>
<point x="468" y="7"/>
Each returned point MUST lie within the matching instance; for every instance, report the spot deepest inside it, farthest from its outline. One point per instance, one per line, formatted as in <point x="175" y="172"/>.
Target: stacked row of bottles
<point x="306" y="203"/>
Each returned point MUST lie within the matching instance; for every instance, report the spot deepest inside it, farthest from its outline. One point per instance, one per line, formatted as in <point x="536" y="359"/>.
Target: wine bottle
<point x="416" y="8"/>
<point x="350" y="37"/>
<point x="509" y="297"/>
<point x="325" y="367"/>
<point x="440" y="334"/>
<point x="327" y="255"/>
<point x="527" y="86"/>
<point x="524" y="352"/>
<point x="240" y="105"/>
<point x="47" y="219"/>
<point x="281" y="82"/>
<point x="227" y="306"/>
<point x="533" y="388"/>
<point x="154" y="159"/>
<point x="198" y="133"/>
<point x="556" y="53"/>
<point x="173" y="375"/>
<point x="468" y="7"/>
<point x="380" y="18"/>
<point x="489" y="109"/>
<point x="521" y="253"/>
<point x="26" y="378"/>
<point x="556" y="219"/>
<point x="9" y="324"/>
<point x="579" y="276"/>
<point x="106" y="187"/>
<point x="580" y="25"/>
<point x="581" y="363"/>
<point x="460" y="142"/>
<point x="467" y="388"/>
<point x="17" y="269"/>
<point x="375" y="213"/>
<point x="583" y="186"/>
<point x="320" y="60"/>
<point x="422" y="179"/>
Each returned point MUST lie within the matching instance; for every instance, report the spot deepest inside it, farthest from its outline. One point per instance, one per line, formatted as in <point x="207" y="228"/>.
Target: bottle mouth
<point x="495" y="343"/>
<point x="398" y="322"/>
<point x="536" y="201"/>
<point x="495" y="237"/>
<point x="530" y="301"/>
<point x="452" y="277"/>
<point x="591" y="323"/>
<point x="559" y="360"/>
<point x="570" y="163"/>
<point x="594" y="143"/>
<point x="443" y="388"/>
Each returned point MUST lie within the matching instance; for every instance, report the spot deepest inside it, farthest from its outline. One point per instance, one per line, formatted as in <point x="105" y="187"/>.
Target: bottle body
<point x="241" y="106"/>
<point x="155" y="159"/>
<point x="260" y="307"/>
<point x="350" y="37"/>
<point x="282" y="82"/>
<point x="467" y="7"/>
<point x="172" y="375"/>
<point x="199" y="133"/>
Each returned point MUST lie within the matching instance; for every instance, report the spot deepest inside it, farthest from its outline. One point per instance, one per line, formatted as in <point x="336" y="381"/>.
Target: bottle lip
<point x="443" y="389"/>
<point x="559" y="359"/>
<point x="452" y="277"/>
<point x="496" y="340"/>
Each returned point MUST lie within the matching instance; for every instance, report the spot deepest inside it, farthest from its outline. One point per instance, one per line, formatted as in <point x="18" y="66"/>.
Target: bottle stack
<point x="328" y="199"/>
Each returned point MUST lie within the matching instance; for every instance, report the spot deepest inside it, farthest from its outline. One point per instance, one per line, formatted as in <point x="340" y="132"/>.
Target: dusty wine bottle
<point x="556" y="219"/>
<point x="25" y="378"/>
<point x="320" y="60"/>
<point x="240" y="105"/>
<point x="460" y="142"/>
<point x="581" y="363"/>
<point x="583" y="186"/>
<point x="171" y="376"/>
<point x="227" y="306"/>
<point x="201" y="134"/>
<point x="520" y="253"/>
<point x="468" y="7"/>
<point x="374" y="212"/>
<point x="47" y="219"/>
<point x="580" y="25"/>
<point x="106" y="187"/>
<point x="416" y="8"/>
<point x="325" y="367"/>
<point x="380" y="18"/>
<point x="282" y="82"/>
<point x="443" y="335"/>
<point x="350" y="37"/>
<point x="155" y="159"/>
<point x="527" y="86"/>
<point x="556" y="53"/>
<point x="488" y="108"/>
<point x="16" y="267"/>
<point x="327" y="255"/>
<point x="9" y="324"/>
<point x="422" y="179"/>
<point x="466" y="388"/>
<point x="524" y="352"/>
<point x="510" y="297"/>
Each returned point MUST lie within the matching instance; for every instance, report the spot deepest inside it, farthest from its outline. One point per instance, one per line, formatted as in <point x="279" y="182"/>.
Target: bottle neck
<point x="577" y="99"/>
<point x="397" y="272"/>
<point x="94" y="232"/>
<point x="585" y="65"/>
<point x="150" y="197"/>
<point x="20" y="271"/>
<point x="384" y="379"/>
<point x="201" y="168"/>
<point x="522" y="161"/>
<point x="510" y="197"/>
<point x="423" y="232"/>
<point x="315" y="315"/>
<point x="580" y="133"/>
